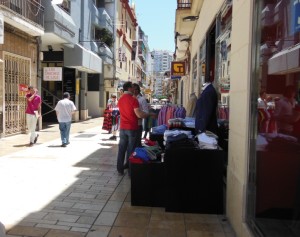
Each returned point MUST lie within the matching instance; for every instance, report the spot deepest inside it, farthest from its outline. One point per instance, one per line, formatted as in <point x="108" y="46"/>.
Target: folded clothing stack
<point x="177" y="135"/>
<point x="159" y="129"/>
<point x="207" y="141"/>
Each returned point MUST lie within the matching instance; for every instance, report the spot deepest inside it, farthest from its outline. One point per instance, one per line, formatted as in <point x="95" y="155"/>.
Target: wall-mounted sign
<point x="177" y="69"/>
<point x="52" y="74"/>
<point x="23" y="89"/>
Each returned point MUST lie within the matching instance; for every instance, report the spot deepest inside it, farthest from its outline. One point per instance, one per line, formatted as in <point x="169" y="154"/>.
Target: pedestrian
<point x="144" y="107"/>
<point x="129" y="113"/>
<point x="111" y="117"/>
<point x="33" y="112"/>
<point x="64" y="110"/>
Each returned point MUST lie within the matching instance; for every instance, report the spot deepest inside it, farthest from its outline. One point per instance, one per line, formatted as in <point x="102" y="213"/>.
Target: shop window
<point x="276" y="126"/>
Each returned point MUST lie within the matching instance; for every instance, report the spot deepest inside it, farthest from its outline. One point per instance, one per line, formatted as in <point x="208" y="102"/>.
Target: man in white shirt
<point x="64" y="110"/>
<point x="144" y="107"/>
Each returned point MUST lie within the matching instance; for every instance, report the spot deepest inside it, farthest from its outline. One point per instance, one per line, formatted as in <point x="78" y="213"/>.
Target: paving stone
<point x="89" y="206"/>
<point x="61" y="233"/>
<point x="74" y="224"/>
<point x="99" y="231"/>
<point x="55" y="227"/>
<point x="28" y="231"/>
<point x="78" y="229"/>
<point x="61" y="217"/>
<point x="113" y="206"/>
<point x="86" y="220"/>
<point x="106" y="218"/>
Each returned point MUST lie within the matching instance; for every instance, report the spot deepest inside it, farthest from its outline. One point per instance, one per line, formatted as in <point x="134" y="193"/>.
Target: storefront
<point x="247" y="49"/>
<point x="274" y="190"/>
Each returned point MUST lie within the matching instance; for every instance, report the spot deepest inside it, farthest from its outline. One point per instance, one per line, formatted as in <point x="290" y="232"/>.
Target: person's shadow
<point x="21" y="145"/>
<point x="54" y="146"/>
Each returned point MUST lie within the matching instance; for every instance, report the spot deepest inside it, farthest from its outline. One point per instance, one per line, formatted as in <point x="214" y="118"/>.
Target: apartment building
<point x="245" y="48"/>
<point x="21" y="27"/>
<point x="126" y="27"/>
<point x="78" y="44"/>
<point x="161" y="64"/>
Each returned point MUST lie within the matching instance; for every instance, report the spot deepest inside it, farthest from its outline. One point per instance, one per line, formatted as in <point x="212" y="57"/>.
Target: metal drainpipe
<point x="39" y="76"/>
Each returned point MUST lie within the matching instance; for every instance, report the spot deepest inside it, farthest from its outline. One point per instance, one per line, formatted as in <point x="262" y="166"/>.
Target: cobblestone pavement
<point x="52" y="191"/>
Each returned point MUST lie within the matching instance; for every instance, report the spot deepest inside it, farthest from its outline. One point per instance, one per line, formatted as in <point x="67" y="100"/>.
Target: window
<point x="66" y="5"/>
<point x="275" y="121"/>
<point x="99" y="3"/>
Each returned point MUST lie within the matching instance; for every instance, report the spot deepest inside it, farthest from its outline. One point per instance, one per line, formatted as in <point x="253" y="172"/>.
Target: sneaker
<point x="114" y="138"/>
<point x="36" y="138"/>
<point x="30" y="144"/>
<point x="64" y="145"/>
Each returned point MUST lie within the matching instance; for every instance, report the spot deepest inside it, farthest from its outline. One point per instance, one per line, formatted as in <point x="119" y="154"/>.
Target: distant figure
<point x="33" y="111"/>
<point x="270" y="103"/>
<point x="261" y="101"/>
<point x="111" y="117"/>
<point x="144" y="107"/>
<point x="121" y="92"/>
<point x="285" y="112"/>
<point x="64" y="110"/>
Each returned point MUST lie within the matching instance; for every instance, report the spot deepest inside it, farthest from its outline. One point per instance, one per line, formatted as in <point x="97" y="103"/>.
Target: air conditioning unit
<point x="225" y="99"/>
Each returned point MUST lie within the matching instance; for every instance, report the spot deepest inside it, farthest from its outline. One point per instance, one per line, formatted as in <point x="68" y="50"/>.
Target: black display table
<point x="194" y="180"/>
<point x="147" y="184"/>
<point x="190" y="180"/>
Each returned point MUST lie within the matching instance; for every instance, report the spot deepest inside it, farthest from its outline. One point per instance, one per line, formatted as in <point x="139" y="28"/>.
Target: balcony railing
<point x="184" y="4"/>
<point x="29" y="9"/>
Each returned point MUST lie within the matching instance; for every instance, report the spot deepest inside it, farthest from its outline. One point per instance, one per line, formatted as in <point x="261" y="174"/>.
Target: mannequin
<point x="206" y="110"/>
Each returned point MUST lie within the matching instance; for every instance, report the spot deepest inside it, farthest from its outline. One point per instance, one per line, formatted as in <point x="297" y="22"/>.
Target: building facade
<point x="77" y="43"/>
<point x="126" y="34"/>
<point x="248" y="49"/>
<point x="21" y="26"/>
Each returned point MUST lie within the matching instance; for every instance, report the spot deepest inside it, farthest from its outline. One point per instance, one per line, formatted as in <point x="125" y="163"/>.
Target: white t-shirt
<point x="64" y="109"/>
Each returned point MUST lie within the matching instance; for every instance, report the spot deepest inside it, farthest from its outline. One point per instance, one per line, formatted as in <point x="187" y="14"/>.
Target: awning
<point x="285" y="61"/>
<point x="82" y="59"/>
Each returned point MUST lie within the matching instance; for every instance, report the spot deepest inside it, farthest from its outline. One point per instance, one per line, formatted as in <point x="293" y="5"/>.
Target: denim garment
<point x="65" y="132"/>
<point x="139" y="136"/>
<point x="127" y="145"/>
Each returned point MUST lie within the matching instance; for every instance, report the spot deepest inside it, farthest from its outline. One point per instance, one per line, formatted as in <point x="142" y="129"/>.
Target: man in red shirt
<point x="33" y="111"/>
<point x="129" y="114"/>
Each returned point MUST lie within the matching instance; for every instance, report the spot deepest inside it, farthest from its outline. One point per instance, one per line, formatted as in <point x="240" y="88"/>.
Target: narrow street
<point x="48" y="190"/>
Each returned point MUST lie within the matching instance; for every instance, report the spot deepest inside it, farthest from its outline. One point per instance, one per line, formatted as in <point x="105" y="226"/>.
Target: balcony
<point x="101" y="19"/>
<point x="187" y="14"/>
<point x="26" y="15"/>
<point x="184" y="4"/>
<point x="105" y="53"/>
<point x="60" y="28"/>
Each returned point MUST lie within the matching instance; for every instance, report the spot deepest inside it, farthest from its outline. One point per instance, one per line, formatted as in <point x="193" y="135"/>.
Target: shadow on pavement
<point x="21" y="145"/>
<point x="74" y="211"/>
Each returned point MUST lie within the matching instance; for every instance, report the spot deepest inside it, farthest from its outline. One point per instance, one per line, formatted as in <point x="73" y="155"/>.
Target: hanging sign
<point x="177" y="70"/>
<point x="52" y="74"/>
